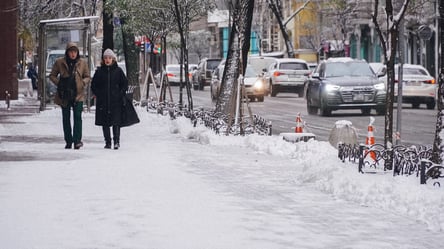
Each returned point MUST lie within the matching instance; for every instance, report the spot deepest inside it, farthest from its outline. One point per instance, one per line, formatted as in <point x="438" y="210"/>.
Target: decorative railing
<point x="429" y="170"/>
<point x="407" y="160"/>
<point x="217" y="122"/>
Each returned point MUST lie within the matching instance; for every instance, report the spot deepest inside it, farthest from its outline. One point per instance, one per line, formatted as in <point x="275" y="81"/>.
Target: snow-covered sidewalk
<point x="174" y="186"/>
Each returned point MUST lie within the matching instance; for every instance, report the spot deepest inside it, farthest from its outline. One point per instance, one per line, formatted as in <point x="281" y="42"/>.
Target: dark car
<point x="204" y="72"/>
<point x="344" y="83"/>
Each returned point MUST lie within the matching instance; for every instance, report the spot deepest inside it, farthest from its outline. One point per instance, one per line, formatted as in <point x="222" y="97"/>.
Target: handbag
<point x="129" y="114"/>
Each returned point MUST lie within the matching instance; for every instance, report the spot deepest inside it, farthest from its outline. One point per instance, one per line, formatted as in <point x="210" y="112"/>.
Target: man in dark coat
<point x="109" y="85"/>
<point x="32" y="74"/>
<point x="76" y="71"/>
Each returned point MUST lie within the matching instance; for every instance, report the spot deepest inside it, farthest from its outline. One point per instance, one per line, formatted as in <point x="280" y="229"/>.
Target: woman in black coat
<point x="109" y="85"/>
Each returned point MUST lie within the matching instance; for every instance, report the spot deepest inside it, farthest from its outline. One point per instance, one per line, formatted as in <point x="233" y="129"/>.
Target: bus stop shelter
<point x="54" y="34"/>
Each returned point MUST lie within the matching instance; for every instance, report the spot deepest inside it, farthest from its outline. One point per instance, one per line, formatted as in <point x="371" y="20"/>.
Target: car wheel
<point x="273" y="90"/>
<point x="260" y="98"/>
<point x="201" y="85"/>
<point x="195" y="87"/>
<point x="431" y="105"/>
<point x="366" y="111"/>
<point x="380" y="110"/>
<point x="312" y="110"/>
<point x="301" y="93"/>
<point x="325" y="111"/>
<point x="415" y="105"/>
<point x="213" y="98"/>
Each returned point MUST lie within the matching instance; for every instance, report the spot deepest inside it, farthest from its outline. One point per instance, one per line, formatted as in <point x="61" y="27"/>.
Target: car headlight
<point x="259" y="84"/>
<point x="330" y="88"/>
<point x="379" y="86"/>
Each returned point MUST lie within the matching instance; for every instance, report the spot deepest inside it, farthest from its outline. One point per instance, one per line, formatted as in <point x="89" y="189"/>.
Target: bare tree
<point x="340" y="15"/>
<point x="199" y="42"/>
<point x="276" y="8"/>
<point x="236" y="62"/>
<point x="389" y="42"/>
<point x="438" y="147"/>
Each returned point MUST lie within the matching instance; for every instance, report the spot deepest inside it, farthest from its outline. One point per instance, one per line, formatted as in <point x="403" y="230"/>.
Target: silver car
<point x="418" y="87"/>
<point x="173" y="74"/>
<point x="254" y="83"/>
<point x="288" y="75"/>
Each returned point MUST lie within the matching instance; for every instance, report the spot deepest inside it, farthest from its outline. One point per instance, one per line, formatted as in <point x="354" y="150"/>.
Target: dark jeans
<point x="107" y="134"/>
<point x="72" y="136"/>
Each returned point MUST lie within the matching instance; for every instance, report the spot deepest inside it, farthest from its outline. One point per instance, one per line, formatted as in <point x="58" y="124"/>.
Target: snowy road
<point x="171" y="186"/>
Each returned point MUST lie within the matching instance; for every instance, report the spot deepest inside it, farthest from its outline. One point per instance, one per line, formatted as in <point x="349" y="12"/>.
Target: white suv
<point x="288" y="75"/>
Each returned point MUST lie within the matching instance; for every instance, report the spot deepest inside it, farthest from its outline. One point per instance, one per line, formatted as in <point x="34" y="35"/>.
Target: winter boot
<point x="116" y="145"/>
<point x="107" y="145"/>
<point x="107" y="135"/>
<point x="116" y="138"/>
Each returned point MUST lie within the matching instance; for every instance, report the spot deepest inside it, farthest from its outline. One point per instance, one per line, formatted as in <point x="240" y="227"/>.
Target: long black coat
<point x="109" y="85"/>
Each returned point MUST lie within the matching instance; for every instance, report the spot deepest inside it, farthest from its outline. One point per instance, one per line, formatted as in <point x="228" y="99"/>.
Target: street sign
<point x="425" y="32"/>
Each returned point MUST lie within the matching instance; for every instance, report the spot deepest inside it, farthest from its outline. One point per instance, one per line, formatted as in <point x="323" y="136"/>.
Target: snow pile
<point x="321" y="168"/>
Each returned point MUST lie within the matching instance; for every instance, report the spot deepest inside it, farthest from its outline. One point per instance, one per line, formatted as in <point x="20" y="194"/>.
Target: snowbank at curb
<point x="322" y="169"/>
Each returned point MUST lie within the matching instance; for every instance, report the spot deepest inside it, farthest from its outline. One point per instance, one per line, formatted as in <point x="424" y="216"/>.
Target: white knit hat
<point x="109" y="52"/>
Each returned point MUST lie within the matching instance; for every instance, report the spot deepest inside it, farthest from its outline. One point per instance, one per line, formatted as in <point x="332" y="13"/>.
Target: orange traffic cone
<point x="299" y="124"/>
<point x="370" y="140"/>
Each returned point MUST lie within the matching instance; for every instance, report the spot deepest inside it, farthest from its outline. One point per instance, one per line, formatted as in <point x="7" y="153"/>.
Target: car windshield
<point x="173" y="68"/>
<point x="250" y="72"/>
<point x="212" y="64"/>
<point x="260" y="63"/>
<point x="414" y="71"/>
<point x="338" y="69"/>
<point x="293" y="66"/>
<point x="51" y="59"/>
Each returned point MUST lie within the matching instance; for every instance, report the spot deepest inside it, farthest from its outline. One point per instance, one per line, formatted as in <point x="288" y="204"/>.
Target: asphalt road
<point x="417" y="125"/>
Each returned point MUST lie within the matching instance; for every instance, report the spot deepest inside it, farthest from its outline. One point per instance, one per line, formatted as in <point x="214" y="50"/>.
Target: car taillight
<point x="189" y="75"/>
<point x="432" y="81"/>
<point x="277" y="73"/>
<point x="170" y="74"/>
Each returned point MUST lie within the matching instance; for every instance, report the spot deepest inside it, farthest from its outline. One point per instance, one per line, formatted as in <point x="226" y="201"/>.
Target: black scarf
<point x="71" y="63"/>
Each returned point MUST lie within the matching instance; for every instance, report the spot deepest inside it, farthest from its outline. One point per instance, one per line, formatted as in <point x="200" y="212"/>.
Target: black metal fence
<point x="407" y="160"/>
<point x="217" y="122"/>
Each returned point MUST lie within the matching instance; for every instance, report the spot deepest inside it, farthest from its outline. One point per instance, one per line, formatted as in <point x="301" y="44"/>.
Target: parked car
<point x="193" y="70"/>
<point x="122" y="65"/>
<point x="173" y="74"/>
<point x="312" y="66"/>
<point x="344" y="83"/>
<point x="288" y="75"/>
<point x="204" y="72"/>
<point x="261" y="65"/>
<point x="418" y="86"/>
<point x="254" y="84"/>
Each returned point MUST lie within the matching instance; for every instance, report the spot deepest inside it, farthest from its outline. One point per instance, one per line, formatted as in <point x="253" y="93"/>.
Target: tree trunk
<point x="438" y="147"/>
<point x="239" y="45"/>
<point x="183" y="24"/>
<point x="131" y="57"/>
<point x="393" y="40"/>
<point x="278" y="14"/>
<point x="108" y="29"/>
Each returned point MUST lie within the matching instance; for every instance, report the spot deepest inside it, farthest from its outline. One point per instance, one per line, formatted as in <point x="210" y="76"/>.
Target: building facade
<point x="9" y="64"/>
